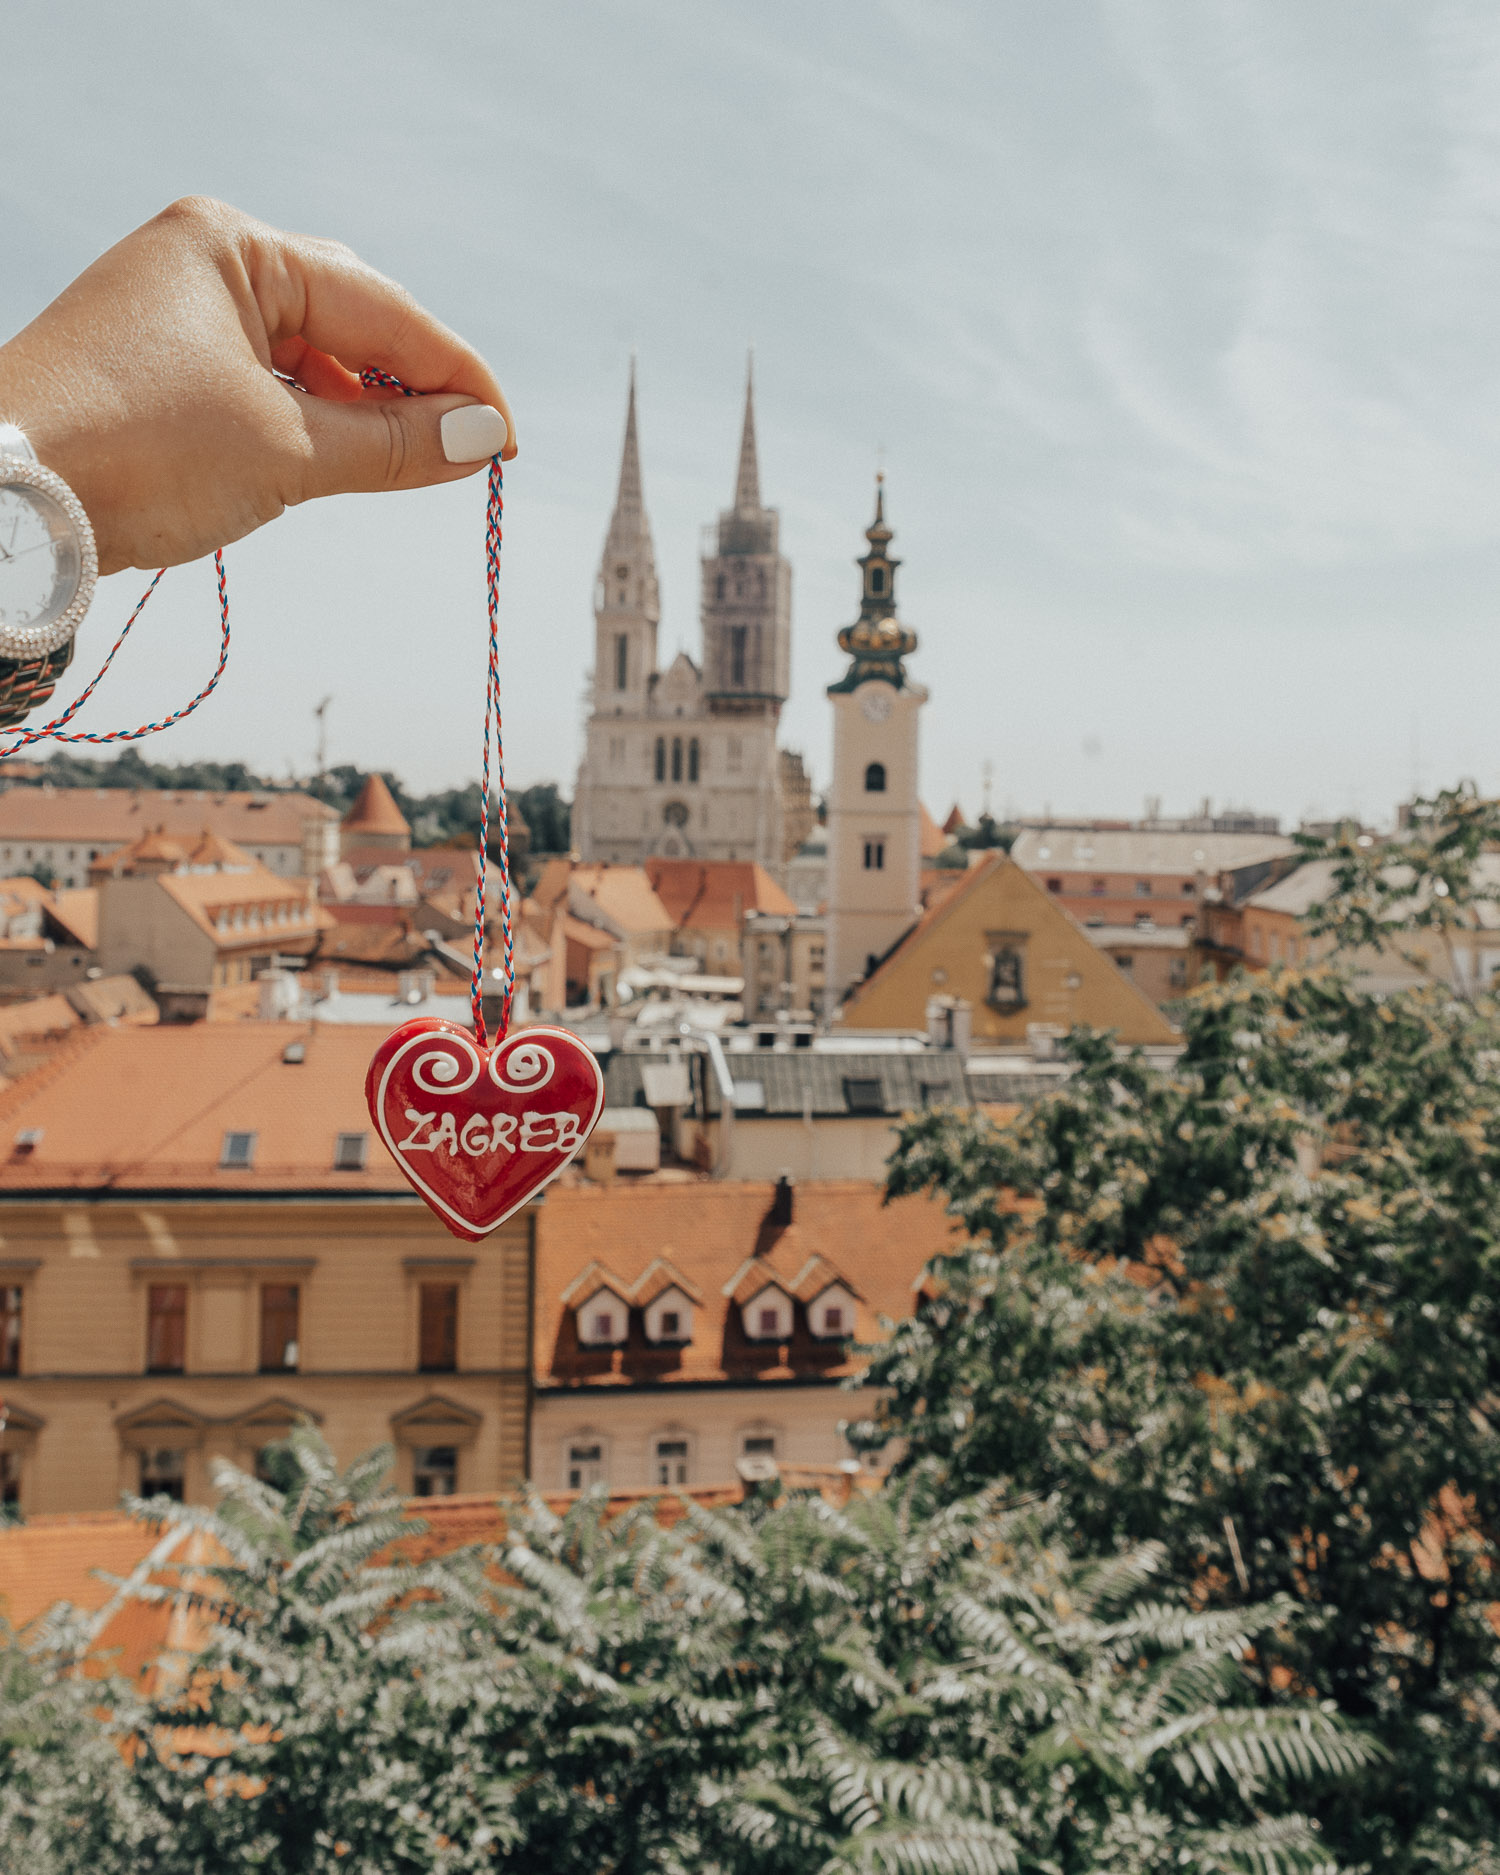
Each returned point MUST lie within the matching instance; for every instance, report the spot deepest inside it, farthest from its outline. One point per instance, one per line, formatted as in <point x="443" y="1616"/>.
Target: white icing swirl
<point x="527" y="1067"/>
<point x="438" y="1071"/>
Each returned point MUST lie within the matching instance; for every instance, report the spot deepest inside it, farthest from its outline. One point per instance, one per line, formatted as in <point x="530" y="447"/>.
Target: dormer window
<point x="669" y="1319"/>
<point x="768" y="1316"/>
<point x="603" y="1321"/>
<point x="831" y="1314"/>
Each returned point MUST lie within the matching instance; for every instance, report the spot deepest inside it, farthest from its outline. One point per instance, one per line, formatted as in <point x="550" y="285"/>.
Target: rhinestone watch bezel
<point x="34" y="641"/>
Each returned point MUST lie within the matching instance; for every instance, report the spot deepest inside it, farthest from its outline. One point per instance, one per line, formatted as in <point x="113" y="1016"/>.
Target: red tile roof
<point x="717" y="1238"/>
<point x="134" y="1107"/>
<point x="116" y="816"/>
<point x="715" y="894"/>
<point x="375" y="811"/>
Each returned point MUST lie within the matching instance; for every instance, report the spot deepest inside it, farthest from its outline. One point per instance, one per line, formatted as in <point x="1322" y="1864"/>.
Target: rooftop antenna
<point x="988" y="772"/>
<point x="321" y="712"/>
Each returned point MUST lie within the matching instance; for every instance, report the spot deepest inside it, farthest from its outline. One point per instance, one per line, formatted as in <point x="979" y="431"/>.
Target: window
<point x="677" y="758"/>
<point x="734" y="751"/>
<point x="1096" y="888"/>
<point x="1124" y="962"/>
<point x="585" y="1466"/>
<point x="349" y="1152"/>
<point x="279" y="1309"/>
<point x="671" y="1324"/>
<point x="875" y="778"/>
<point x="737" y="637"/>
<point x="877" y="579"/>
<point x="1054" y="885"/>
<point x="767" y="1320"/>
<point x="833" y="1319"/>
<point x="758" y="1445"/>
<point x="166" y="1328"/>
<point x="162" y="1474"/>
<point x="1189" y="890"/>
<point x="604" y="1326"/>
<point x="693" y="759"/>
<point x="671" y="1461"/>
<point x="437" y="1336"/>
<point x="1007" y="991"/>
<point x="10" y="1479"/>
<point x="863" y="1093"/>
<point x="719" y="587"/>
<point x="1143" y="888"/>
<point x="622" y="661"/>
<point x="661" y="758"/>
<point x="874" y="855"/>
<point x="434" y="1471"/>
<point x="238" y="1152"/>
<point x="10" y="1329"/>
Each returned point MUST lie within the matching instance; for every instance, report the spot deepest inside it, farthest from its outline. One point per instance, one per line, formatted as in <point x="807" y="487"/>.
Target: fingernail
<point x="471" y="434"/>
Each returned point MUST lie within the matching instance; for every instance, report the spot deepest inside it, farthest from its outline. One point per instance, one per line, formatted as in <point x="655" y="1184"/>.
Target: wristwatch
<point x="48" y="570"/>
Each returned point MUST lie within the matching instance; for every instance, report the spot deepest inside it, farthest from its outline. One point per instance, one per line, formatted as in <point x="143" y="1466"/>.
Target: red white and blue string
<point x="57" y="731"/>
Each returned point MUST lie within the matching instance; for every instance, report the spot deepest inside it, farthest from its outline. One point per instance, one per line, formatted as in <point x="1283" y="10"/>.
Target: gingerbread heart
<point x="479" y="1130"/>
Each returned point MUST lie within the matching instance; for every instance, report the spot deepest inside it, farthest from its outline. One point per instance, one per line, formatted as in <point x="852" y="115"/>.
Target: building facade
<point x="874" y="818"/>
<point x="201" y="1242"/>
<point x="683" y="762"/>
<point x="67" y="829"/>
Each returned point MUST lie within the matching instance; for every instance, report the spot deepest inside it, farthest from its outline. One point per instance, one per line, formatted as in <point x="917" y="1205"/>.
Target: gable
<point x="1016" y="956"/>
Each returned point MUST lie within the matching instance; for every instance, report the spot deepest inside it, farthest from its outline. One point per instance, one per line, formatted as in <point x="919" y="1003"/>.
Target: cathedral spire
<point x="628" y="522"/>
<point x="747" y="478"/>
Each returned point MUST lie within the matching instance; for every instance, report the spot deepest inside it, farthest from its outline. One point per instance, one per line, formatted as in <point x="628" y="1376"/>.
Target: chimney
<point x="961" y="1026"/>
<point x="781" y="1204"/>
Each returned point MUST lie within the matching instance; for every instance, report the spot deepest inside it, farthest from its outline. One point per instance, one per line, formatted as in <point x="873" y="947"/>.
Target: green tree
<point x="780" y="1689"/>
<point x="1250" y="1307"/>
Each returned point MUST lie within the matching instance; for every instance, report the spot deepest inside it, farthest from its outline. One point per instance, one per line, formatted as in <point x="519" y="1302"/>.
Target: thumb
<point x="398" y="442"/>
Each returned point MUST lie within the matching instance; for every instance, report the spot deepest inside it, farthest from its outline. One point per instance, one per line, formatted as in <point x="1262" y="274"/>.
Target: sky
<point x="1176" y="330"/>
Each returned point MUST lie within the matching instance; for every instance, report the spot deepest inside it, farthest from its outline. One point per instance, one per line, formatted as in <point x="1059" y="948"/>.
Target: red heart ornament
<point x="479" y="1130"/>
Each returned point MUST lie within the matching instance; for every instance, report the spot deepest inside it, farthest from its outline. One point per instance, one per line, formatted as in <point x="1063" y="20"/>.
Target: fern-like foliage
<point x="892" y="1687"/>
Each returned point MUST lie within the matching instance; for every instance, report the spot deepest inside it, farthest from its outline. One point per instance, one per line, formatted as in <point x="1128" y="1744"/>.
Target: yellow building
<point x="999" y="943"/>
<point x="202" y="1241"/>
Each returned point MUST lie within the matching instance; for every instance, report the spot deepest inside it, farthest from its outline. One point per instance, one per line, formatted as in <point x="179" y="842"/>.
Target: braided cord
<point x="55" y="730"/>
<point x="493" y="533"/>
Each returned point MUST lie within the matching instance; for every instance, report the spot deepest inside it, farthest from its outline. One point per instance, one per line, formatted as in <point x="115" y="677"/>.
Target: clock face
<point x="39" y="562"/>
<point x="875" y="703"/>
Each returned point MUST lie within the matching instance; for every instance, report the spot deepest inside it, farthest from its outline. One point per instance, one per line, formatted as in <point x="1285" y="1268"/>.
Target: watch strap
<point x="27" y="682"/>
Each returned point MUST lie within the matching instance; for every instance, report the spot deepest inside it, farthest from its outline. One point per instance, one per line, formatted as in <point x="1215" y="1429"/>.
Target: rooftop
<point x="115" y="816"/>
<point x="715" y="895"/>
<point x="720" y="1241"/>
<point x="1143" y="850"/>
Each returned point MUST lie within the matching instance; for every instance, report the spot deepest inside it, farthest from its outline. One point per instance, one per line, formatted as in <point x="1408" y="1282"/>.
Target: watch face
<point x="875" y="703"/>
<point x="40" y="565"/>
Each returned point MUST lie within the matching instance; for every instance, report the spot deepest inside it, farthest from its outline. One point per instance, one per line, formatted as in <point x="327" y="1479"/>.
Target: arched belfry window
<point x="677" y="758"/>
<point x="693" y="759"/>
<point x="622" y="661"/>
<point x="875" y="778"/>
<point x="877" y="579"/>
<point x="661" y="758"/>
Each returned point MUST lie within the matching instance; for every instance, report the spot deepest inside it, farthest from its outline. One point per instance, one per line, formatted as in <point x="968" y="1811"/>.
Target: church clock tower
<point x="874" y="831"/>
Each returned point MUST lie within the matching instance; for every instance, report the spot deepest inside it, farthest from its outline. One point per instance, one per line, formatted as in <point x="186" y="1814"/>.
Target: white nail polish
<point x="471" y="434"/>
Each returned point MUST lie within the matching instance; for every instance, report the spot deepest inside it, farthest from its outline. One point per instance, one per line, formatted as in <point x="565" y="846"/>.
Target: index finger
<point x="321" y="292"/>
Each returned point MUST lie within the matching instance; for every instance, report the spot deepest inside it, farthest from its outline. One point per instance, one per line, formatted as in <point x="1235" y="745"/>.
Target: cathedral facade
<point x="683" y="762"/>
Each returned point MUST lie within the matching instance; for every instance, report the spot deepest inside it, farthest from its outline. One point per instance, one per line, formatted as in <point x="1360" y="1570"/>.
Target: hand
<point x="149" y="386"/>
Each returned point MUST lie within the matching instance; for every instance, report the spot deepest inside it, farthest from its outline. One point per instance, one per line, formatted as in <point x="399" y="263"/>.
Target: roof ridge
<point x="87" y="1035"/>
